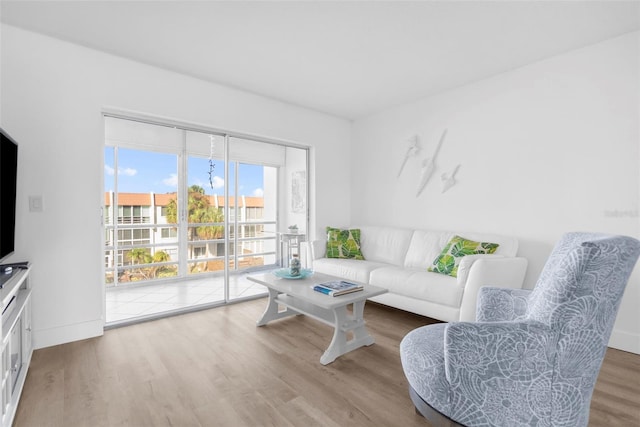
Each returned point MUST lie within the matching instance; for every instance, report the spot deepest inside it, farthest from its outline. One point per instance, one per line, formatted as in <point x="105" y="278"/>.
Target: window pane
<point x="147" y="185"/>
<point x="206" y="188"/>
<point x="252" y="247"/>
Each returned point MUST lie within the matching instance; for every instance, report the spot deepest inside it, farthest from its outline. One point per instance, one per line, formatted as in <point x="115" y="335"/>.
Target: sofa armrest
<point x="318" y="249"/>
<point x="466" y="262"/>
<point x="503" y="272"/>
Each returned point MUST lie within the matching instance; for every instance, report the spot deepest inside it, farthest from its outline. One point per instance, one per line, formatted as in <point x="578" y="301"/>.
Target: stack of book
<point x="337" y="288"/>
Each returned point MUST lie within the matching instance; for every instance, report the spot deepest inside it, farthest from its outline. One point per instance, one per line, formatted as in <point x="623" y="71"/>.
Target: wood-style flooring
<point x="216" y="368"/>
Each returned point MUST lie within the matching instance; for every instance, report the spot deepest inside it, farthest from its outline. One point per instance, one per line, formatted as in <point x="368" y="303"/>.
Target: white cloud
<point x="258" y="192"/>
<point x="172" y="181"/>
<point x="127" y="171"/>
<point x="218" y="182"/>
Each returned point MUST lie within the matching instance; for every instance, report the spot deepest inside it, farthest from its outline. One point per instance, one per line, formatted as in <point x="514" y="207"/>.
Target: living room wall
<point x="544" y="149"/>
<point x="52" y="97"/>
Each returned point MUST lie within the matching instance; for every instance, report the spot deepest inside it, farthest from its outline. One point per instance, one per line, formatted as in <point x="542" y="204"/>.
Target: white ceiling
<point x="348" y="59"/>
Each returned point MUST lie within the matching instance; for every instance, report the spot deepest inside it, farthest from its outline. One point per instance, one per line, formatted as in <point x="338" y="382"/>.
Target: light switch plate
<point x="35" y="204"/>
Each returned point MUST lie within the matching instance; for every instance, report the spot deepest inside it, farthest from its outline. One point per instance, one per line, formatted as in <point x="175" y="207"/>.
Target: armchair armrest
<point x="496" y="353"/>
<point x="485" y="270"/>
<point x="501" y="304"/>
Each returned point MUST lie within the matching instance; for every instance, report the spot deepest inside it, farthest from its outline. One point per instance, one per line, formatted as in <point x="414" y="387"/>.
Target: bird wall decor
<point x="428" y="166"/>
<point x="449" y="180"/>
<point x="412" y="150"/>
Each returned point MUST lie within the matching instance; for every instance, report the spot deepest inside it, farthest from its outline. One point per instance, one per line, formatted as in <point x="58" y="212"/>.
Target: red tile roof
<point x="144" y="199"/>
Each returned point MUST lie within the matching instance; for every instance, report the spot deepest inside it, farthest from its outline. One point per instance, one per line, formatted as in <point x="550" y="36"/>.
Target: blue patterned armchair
<point x="533" y="356"/>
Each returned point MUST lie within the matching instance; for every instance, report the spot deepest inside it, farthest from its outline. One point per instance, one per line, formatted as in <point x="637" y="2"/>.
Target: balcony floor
<point x="131" y="303"/>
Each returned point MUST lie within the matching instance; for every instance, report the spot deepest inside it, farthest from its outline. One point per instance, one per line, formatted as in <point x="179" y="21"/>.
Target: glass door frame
<point x="182" y="193"/>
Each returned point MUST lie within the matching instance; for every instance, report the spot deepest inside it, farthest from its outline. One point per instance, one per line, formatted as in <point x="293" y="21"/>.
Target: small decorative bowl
<point x="285" y="273"/>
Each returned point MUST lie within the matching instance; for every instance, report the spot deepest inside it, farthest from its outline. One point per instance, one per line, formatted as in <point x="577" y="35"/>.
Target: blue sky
<point x="146" y="171"/>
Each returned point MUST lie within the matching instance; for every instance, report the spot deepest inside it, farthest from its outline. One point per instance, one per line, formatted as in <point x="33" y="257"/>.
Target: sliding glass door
<point x="191" y="208"/>
<point x="141" y="244"/>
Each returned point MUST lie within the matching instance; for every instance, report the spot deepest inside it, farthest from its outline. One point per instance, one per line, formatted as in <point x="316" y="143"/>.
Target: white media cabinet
<point x="16" y="339"/>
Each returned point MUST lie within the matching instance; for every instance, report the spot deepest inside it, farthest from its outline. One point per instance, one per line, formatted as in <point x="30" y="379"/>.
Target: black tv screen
<point x="8" y="181"/>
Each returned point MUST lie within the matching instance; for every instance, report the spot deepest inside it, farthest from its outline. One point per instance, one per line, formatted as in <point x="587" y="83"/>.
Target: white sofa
<point x="397" y="259"/>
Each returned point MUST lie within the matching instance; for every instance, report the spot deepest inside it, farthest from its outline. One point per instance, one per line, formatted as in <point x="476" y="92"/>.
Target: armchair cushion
<point x="502" y="370"/>
<point x="488" y="373"/>
<point x="422" y="354"/>
<point x="514" y="350"/>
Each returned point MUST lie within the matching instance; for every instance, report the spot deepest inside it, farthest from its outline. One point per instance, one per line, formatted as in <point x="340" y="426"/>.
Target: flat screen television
<point x="8" y="182"/>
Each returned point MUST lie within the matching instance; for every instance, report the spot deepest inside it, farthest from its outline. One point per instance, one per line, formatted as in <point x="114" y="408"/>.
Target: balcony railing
<point x="125" y="262"/>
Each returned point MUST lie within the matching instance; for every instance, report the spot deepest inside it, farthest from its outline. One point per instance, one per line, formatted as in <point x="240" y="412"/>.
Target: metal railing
<point x="119" y="269"/>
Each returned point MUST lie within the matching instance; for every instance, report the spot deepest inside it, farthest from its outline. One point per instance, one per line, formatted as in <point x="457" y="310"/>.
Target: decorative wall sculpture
<point x="428" y="165"/>
<point x="412" y="151"/>
<point x="449" y="180"/>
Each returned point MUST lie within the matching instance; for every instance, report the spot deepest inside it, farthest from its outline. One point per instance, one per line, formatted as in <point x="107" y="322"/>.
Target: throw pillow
<point x="448" y="260"/>
<point x="343" y="243"/>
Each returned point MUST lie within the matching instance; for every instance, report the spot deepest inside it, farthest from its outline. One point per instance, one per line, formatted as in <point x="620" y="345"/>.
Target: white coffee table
<point x="298" y="297"/>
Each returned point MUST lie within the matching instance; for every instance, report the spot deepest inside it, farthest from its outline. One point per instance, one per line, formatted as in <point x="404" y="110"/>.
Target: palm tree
<point x="199" y="211"/>
<point x="210" y="232"/>
<point x="141" y="256"/>
<point x="159" y="256"/>
<point x="172" y="211"/>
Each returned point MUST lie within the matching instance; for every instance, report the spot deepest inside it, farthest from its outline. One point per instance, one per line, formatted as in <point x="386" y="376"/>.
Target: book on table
<point x="337" y="287"/>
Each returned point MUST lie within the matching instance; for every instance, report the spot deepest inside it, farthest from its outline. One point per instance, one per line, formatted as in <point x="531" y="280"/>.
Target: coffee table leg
<point x="360" y="333"/>
<point x="272" y="311"/>
<point x="345" y="323"/>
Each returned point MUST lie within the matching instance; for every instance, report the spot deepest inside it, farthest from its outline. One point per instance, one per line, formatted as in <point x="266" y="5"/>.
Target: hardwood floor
<point x="216" y="368"/>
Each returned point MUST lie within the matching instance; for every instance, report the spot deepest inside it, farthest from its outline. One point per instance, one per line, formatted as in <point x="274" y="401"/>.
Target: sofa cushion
<point x="508" y="246"/>
<point x="447" y="261"/>
<point x="343" y="243"/>
<point x="385" y="244"/>
<point x="351" y="269"/>
<point x="415" y="283"/>
<point x="425" y="246"/>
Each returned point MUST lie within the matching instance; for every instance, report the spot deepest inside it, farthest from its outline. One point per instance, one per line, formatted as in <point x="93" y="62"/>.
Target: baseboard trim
<point x="61" y="335"/>
<point x="621" y="340"/>
<point x="625" y="341"/>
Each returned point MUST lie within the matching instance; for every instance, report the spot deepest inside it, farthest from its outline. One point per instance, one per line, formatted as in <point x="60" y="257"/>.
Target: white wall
<point x="547" y="148"/>
<point x="544" y="149"/>
<point x="52" y="97"/>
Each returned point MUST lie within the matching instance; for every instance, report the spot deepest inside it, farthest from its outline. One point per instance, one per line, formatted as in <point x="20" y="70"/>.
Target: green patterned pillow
<point x="448" y="260"/>
<point x="343" y="243"/>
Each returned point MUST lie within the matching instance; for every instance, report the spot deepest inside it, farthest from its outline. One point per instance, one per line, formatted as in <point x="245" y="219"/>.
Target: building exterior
<point x="149" y="244"/>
